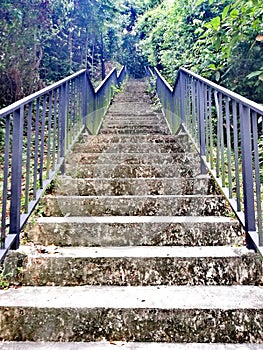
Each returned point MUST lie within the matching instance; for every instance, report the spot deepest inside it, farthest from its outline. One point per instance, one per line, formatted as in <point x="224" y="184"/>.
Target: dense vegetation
<point x="42" y="41"/>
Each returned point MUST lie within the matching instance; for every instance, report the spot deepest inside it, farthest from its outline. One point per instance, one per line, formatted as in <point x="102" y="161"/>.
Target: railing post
<point x="84" y="98"/>
<point x="16" y="180"/>
<point x="63" y="126"/>
<point x="201" y="117"/>
<point x="247" y="173"/>
<point x="182" y="97"/>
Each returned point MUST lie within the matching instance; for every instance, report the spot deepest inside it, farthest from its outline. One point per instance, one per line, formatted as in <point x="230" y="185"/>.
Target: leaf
<point x="234" y="13"/>
<point x="212" y="66"/>
<point x="199" y="2"/>
<point x="211" y="2"/>
<point x="254" y="74"/>
<point x="215" y="22"/>
<point x="225" y="12"/>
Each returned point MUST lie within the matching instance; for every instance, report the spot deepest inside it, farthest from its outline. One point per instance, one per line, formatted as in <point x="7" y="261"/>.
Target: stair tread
<point x="125" y="346"/>
<point x="143" y="252"/>
<point x="137" y="297"/>
<point x="135" y="219"/>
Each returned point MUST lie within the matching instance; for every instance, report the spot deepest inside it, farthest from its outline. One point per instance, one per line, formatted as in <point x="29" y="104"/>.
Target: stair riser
<point x="70" y="271"/>
<point x="150" y="139"/>
<point x="133" y="206"/>
<point x="137" y="234"/>
<point x="131" y="148"/>
<point x="134" y="131"/>
<point x="76" y="159"/>
<point x="115" y="171"/>
<point x="116" y="187"/>
<point x="175" y="325"/>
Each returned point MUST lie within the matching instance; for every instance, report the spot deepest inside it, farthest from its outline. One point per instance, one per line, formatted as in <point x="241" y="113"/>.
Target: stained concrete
<point x="107" y="345"/>
<point x="131" y="230"/>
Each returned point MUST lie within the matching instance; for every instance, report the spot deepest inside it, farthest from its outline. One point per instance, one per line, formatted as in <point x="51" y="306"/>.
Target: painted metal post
<point x="247" y="173"/>
<point x="84" y="98"/>
<point x="182" y="96"/>
<point x="16" y="180"/>
<point x="201" y="117"/>
<point x="63" y="120"/>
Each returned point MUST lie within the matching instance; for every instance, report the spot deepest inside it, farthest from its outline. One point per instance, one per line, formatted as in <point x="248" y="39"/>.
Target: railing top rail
<point x="114" y="70"/>
<point x="245" y="101"/>
<point x="120" y="72"/>
<point x="163" y="80"/>
<point x="14" y="106"/>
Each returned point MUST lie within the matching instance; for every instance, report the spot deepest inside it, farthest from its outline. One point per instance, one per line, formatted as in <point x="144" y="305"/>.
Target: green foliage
<point x="221" y="40"/>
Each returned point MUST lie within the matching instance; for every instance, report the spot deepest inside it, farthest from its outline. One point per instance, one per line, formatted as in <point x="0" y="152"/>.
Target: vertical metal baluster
<point x="182" y="97"/>
<point x="62" y="124"/>
<point x="229" y="158"/>
<point x="70" y="109"/>
<point x="55" y="134"/>
<point x="211" y="129"/>
<point x="60" y="108"/>
<point x="218" y="138"/>
<point x="28" y="156"/>
<point x="36" y="148"/>
<point x="16" y="180"/>
<point x="201" y="123"/>
<point x="236" y="155"/>
<point x="50" y="104"/>
<point x="193" y="108"/>
<point x="84" y="99"/>
<point x="257" y="175"/>
<point x="69" y="124"/>
<point x="207" y="133"/>
<point x="5" y="182"/>
<point x="222" y="144"/>
<point x="247" y="172"/>
<point x="42" y="141"/>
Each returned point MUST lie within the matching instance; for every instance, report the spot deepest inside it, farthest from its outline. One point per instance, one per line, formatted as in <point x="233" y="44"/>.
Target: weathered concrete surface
<point x="181" y="139"/>
<point x="162" y="205"/>
<point x="106" y="345"/>
<point x="126" y="214"/>
<point x="132" y="158"/>
<point x="128" y="147"/>
<point x="140" y="266"/>
<point x="124" y="170"/>
<point x="136" y="231"/>
<point x="167" y="314"/>
<point x="66" y="185"/>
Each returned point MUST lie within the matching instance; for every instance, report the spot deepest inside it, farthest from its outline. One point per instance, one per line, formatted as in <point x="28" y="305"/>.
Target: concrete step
<point x="134" y="130"/>
<point x="216" y="314"/>
<point x="151" y="139"/>
<point x="67" y="185"/>
<point x="135" y="266"/>
<point x="136" y="231"/>
<point x="133" y="147"/>
<point x="191" y="205"/>
<point x="106" y="345"/>
<point x="132" y="158"/>
<point x="190" y="168"/>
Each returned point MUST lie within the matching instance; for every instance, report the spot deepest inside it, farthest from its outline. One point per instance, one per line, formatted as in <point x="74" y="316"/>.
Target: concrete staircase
<point x="134" y="249"/>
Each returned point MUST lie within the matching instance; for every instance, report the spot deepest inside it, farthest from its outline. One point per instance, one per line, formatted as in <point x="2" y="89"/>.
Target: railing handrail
<point x="241" y="99"/>
<point x="26" y="100"/>
<point x="57" y="114"/>
<point x="226" y="147"/>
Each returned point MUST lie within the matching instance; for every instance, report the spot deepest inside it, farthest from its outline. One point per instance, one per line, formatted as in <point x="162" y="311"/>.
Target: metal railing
<point x="36" y="133"/>
<point x="227" y="130"/>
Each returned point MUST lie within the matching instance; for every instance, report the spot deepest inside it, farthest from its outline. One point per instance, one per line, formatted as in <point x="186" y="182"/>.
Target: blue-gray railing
<point x="227" y="131"/>
<point x="37" y="132"/>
